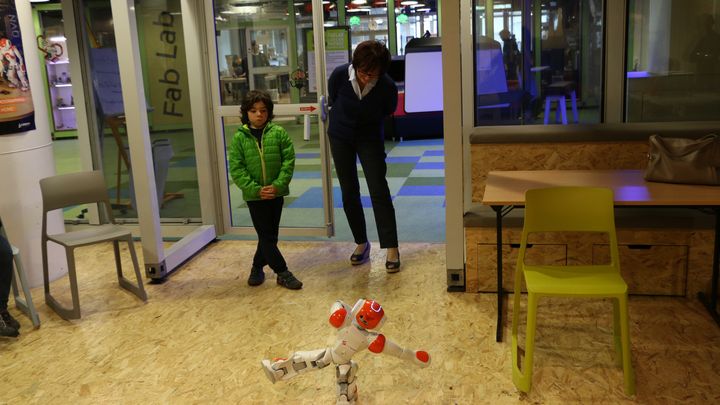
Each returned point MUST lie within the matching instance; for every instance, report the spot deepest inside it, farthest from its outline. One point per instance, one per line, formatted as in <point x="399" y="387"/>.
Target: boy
<point x="262" y="161"/>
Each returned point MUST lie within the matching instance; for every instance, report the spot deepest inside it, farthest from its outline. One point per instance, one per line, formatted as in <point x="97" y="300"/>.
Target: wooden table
<point x="505" y="190"/>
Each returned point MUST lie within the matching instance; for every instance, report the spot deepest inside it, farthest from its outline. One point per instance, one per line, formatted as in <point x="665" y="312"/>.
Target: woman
<point x="361" y="96"/>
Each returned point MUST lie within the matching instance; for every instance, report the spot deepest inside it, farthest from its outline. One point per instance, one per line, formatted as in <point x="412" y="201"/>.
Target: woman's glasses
<point x="369" y="75"/>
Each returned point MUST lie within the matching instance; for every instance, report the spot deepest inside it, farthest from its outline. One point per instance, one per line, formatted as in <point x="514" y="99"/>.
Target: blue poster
<point x="17" y="113"/>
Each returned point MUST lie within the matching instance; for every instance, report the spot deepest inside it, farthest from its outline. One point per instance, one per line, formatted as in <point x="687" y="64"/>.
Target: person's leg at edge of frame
<point x="8" y="325"/>
<point x="344" y="157"/>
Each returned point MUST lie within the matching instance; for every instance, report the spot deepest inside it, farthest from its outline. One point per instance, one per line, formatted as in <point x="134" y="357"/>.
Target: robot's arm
<point x="339" y="314"/>
<point x="379" y="344"/>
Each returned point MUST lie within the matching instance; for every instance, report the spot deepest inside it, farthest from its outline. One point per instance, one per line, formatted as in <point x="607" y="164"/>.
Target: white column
<point x="25" y="158"/>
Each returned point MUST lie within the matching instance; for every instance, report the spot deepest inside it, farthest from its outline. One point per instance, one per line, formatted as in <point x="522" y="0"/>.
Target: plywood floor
<point x="202" y="334"/>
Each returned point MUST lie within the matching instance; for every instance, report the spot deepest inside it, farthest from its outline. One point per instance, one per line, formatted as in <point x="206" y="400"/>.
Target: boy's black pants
<point x="265" y="215"/>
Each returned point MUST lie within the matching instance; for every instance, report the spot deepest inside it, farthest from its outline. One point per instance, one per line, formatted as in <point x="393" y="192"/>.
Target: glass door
<point x="272" y="46"/>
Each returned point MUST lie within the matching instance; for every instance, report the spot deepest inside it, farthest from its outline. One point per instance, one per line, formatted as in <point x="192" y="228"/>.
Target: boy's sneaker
<point x="6" y="329"/>
<point x="9" y="320"/>
<point x="257" y="276"/>
<point x="288" y="280"/>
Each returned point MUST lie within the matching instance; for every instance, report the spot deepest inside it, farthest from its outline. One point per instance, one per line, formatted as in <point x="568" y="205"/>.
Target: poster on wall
<point x="17" y="113"/>
<point x="337" y="52"/>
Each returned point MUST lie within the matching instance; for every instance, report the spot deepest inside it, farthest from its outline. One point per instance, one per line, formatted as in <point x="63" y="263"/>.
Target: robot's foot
<point x="342" y="400"/>
<point x="272" y="374"/>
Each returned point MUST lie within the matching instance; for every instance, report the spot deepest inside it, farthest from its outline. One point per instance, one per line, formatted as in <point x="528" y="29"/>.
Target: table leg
<point x="498" y="223"/>
<point x="711" y="301"/>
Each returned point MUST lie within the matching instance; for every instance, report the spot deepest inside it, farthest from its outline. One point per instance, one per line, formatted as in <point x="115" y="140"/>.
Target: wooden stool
<point x="557" y="92"/>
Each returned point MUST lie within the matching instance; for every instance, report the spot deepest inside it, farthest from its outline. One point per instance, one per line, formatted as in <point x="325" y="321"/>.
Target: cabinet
<point x="61" y="98"/>
<point x="51" y="42"/>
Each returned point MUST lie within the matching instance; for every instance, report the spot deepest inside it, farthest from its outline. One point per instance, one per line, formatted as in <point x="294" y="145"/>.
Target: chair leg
<point x="573" y="100"/>
<point x="547" y="110"/>
<point x="64" y="312"/>
<point x="628" y="373"/>
<point x="523" y="378"/>
<point x="139" y="289"/>
<point x="617" y="333"/>
<point x="26" y="306"/>
<point x="563" y="110"/>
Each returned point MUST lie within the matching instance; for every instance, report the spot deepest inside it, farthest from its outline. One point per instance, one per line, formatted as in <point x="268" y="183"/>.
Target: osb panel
<point x="700" y="263"/>
<point x="661" y="273"/>
<point x="653" y="269"/>
<point x="550" y="156"/>
<point x="535" y="254"/>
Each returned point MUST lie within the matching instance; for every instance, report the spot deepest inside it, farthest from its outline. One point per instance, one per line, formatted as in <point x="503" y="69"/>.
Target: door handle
<point x="323" y="108"/>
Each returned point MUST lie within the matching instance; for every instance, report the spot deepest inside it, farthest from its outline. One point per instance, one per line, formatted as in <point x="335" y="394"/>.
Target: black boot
<point x="257" y="276"/>
<point x="9" y="319"/>
<point x="6" y="329"/>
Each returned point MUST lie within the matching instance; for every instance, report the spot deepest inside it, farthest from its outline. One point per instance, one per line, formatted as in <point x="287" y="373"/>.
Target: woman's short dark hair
<point x="252" y="97"/>
<point x="370" y="56"/>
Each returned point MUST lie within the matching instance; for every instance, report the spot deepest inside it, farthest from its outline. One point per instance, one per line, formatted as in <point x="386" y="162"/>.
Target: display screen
<point x="423" y="82"/>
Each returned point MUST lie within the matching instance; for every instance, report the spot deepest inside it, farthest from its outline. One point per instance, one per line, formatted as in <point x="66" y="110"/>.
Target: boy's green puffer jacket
<point x="252" y="167"/>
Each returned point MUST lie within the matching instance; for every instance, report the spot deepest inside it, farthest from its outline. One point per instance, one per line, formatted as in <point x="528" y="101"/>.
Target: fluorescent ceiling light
<point x="408" y="2"/>
<point x="425" y="9"/>
<point x="57" y="39"/>
<point x="359" y="1"/>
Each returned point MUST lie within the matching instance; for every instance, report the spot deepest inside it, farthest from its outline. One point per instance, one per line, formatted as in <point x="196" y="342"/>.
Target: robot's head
<point x="368" y="314"/>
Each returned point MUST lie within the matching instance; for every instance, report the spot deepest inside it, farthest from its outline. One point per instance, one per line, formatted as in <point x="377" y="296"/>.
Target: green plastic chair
<point x="568" y="209"/>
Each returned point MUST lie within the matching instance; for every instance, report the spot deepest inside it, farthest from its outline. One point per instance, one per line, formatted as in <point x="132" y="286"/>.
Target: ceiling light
<point x="425" y="9"/>
<point x="359" y="1"/>
<point x="408" y="2"/>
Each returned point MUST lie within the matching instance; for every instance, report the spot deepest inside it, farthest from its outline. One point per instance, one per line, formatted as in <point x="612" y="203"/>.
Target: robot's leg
<point x="299" y="362"/>
<point x="12" y="77"/>
<point x="346" y="387"/>
<point x="23" y="80"/>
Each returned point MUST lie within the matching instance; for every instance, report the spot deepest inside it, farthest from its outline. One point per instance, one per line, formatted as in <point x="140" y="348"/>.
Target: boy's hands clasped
<point x="268" y="192"/>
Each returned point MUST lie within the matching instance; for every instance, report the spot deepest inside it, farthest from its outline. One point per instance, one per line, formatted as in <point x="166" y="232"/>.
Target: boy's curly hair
<point x="252" y="97"/>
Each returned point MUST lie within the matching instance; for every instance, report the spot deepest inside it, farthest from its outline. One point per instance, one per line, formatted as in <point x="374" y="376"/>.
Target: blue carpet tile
<point x="421" y="190"/>
<point x="430" y="166"/>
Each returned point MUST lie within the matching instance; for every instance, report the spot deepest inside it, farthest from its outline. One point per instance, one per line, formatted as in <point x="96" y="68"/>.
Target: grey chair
<point x="74" y="189"/>
<point x="26" y="306"/>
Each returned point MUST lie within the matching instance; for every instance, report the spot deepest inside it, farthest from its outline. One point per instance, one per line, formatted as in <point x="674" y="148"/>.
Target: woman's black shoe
<point x="356" y="259"/>
<point x="393" y="267"/>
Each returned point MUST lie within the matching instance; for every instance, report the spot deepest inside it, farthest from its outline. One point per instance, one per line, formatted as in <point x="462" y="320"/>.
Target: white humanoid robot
<point x="15" y="72"/>
<point x="356" y="331"/>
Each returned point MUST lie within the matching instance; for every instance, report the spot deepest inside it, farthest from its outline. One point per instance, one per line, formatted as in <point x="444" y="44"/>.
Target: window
<point x="673" y="61"/>
<point x="538" y="62"/>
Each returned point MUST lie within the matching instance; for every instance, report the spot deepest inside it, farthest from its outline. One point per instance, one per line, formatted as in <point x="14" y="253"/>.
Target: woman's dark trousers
<point x="371" y="153"/>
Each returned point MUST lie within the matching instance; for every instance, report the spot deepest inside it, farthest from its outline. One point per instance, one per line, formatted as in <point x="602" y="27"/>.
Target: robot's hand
<point x="422" y="358"/>
<point x="339" y="314"/>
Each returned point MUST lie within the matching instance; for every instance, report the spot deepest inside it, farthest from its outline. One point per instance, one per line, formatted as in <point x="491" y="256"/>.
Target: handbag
<point x="683" y="160"/>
